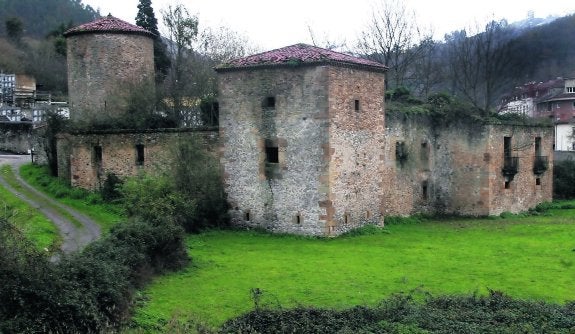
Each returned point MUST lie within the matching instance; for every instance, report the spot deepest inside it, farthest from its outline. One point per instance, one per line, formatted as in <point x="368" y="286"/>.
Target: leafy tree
<point x="58" y="37"/>
<point x="14" y="29"/>
<point x="147" y="20"/>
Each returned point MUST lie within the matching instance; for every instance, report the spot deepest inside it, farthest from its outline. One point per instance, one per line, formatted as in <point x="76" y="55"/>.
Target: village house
<point x="553" y="100"/>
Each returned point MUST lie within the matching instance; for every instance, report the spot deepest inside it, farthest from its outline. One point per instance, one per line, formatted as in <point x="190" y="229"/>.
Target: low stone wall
<point x="16" y="137"/>
<point x="86" y="158"/>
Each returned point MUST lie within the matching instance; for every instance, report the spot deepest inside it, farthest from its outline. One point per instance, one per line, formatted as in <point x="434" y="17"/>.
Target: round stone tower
<point x="107" y="59"/>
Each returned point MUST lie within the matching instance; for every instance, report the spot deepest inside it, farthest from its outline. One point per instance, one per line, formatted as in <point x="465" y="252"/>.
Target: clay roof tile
<point x="299" y="54"/>
<point x="108" y="24"/>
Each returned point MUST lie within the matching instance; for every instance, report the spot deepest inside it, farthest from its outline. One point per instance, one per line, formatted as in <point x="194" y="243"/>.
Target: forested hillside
<point x="548" y="51"/>
<point x="39" y="17"/>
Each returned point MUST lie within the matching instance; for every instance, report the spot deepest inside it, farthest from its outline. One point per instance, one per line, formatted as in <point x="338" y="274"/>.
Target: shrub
<point x="87" y="292"/>
<point x="564" y="179"/>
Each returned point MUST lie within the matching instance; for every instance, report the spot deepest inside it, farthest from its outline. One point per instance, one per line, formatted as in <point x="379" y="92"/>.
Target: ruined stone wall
<point x="16" y="137"/>
<point x="530" y="186"/>
<point x="102" y="69"/>
<point x="457" y="167"/>
<point x="283" y="110"/>
<point x="356" y="143"/>
<point x="408" y="164"/>
<point x="86" y="159"/>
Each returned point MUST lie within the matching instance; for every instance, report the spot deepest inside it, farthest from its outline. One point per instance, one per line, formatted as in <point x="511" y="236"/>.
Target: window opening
<point x="139" y="154"/>
<point x="272" y="154"/>
<point x="98" y="156"/>
<point x="400" y="152"/>
<point x="424" y="190"/>
<point x="298" y="218"/>
<point x="356" y="105"/>
<point x="247" y="215"/>
<point x="507" y="147"/>
<point x="270" y="102"/>
<point x="538" y="181"/>
<point x="346" y="218"/>
<point x="537" y="146"/>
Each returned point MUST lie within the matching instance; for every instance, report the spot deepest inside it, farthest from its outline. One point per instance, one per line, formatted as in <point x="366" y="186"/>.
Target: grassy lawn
<point x="38" y="228"/>
<point x="90" y="204"/>
<point x="526" y="257"/>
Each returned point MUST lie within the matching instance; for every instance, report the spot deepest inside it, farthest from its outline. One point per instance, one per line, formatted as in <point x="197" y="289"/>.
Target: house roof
<point x="299" y="54"/>
<point x="108" y="24"/>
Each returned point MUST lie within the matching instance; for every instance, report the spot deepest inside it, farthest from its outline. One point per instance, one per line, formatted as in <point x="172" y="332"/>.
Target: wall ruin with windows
<point x="464" y="168"/>
<point x="310" y="150"/>
<point x="85" y="159"/>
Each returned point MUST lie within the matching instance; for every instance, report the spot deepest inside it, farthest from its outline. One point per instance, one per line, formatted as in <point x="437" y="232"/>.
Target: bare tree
<point x="393" y="38"/>
<point x="326" y="41"/>
<point x="479" y="65"/>
<point x="182" y="31"/>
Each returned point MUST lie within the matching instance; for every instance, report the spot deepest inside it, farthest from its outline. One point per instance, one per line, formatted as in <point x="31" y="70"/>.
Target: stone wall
<point x="457" y="168"/>
<point x="102" y="69"/>
<point x="85" y="159"/>
<point x="16" y="137"/>
<point x="325" y="180"/>
<point x="268" y="111"/>
<point x="356" y="120"/>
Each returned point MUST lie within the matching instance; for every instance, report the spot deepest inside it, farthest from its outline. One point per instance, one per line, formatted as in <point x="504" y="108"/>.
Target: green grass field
<point x="526" y="257"/>
<point x="42" y="233"/>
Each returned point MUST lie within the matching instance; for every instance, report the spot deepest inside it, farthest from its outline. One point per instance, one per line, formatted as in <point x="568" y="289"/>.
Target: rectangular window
<point x="356" y="105"/>
<point x="272" y="155"/>
<point x="507" y="147"/>
<point x="538" y="181"/>
<point x="139" y="155"/>
<point x="247" y="215"/>
<point x="97" y="157"/>
<point x="424" y="190"/>
<point x="537" y="146"/>
<point x="270" y="102"/>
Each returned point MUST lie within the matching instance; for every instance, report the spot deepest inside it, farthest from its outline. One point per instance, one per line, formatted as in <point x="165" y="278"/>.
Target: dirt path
<point x="74" y="237"/>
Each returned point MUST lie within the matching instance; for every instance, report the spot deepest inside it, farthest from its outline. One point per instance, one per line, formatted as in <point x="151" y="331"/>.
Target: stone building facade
<point x="107" y="58"/>
<point x="86" y="158"/>
<point x="307" y="148"/>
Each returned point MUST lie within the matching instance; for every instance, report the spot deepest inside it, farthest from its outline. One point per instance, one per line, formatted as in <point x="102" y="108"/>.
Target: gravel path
<point x="74" y="237"/>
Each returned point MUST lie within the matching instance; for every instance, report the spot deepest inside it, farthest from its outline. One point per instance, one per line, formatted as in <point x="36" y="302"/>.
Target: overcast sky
<point x="272" y="24"/>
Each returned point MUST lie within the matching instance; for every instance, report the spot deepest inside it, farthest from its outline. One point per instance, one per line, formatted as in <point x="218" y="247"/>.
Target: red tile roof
<point x="300" y="54"/>
<point x="108" y="24"/>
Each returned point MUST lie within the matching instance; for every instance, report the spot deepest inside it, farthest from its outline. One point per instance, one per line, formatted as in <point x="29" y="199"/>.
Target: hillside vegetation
<point x="41" y="17"/>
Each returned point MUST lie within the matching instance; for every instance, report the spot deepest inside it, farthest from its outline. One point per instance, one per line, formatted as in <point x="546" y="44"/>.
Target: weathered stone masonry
<point x="86" y="158"/>
<point x="106" y="59"/>
<point x="307" y="148"/>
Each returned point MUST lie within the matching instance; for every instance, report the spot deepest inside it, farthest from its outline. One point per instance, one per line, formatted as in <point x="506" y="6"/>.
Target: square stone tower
<point x="302" y="131"/>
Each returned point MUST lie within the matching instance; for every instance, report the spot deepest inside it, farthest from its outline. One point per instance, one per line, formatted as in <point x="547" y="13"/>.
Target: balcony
<point x="510" y="166"/>
<point x="540" y="164"/>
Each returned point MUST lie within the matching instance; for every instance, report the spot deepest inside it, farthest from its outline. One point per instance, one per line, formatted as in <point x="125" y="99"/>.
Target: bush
<point x="564" y="179"/>
<point x="190" y="193"/>
<point x="494" y="313"/>
<point x="87" y="292"/>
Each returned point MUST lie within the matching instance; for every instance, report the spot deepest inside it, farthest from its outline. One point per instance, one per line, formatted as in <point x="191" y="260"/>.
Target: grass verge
<point x="40" y="230"/>
<point x="530" y="257"/>
<point x="89" y="203"/>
